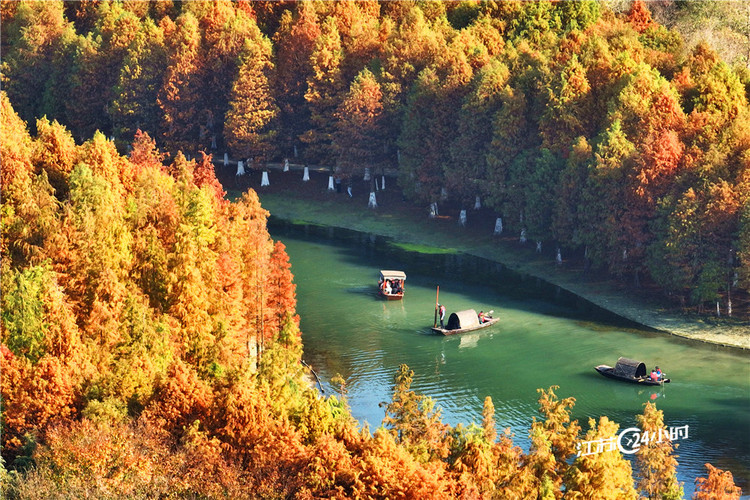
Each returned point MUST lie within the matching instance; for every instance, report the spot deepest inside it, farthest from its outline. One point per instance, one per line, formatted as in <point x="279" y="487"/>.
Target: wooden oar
<point x="437" y="295"/>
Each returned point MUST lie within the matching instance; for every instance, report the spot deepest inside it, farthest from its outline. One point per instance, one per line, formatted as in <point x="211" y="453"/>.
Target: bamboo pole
<point x="437" y="295"/>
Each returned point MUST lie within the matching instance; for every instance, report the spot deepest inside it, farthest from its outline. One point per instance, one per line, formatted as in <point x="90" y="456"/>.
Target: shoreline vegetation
<point x="288" y="197"/>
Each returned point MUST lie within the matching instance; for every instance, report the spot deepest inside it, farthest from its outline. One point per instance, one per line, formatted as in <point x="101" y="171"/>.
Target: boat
<point x="464" y="321"/>
<point x="391" y="284"/>
<point x="629" y="370"/>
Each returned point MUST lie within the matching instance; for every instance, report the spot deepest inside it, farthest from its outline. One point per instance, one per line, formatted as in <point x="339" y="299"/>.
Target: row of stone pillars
<point x="372" y="200"/>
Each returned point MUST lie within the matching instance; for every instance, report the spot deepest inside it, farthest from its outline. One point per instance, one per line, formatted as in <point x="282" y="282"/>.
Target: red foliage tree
<point x="181" y="400"/>
<point x="639" y="16"/>
<point x="281" y="298"/>
<point x="719" y="485"/>
<point x="204" y="175"/>
<point x="144" y="153"/>
<point x="295" y="42"/>
<point x="34" y="397"/>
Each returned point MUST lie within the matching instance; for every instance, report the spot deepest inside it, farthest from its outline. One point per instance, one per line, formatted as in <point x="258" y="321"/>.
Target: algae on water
<point x="412" y="247"/>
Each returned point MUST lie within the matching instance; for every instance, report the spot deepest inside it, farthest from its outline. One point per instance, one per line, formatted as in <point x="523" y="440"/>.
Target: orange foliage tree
<point x="718" y="485"/>
<point x="658" y="467"/>
<point x="281" y="297"/>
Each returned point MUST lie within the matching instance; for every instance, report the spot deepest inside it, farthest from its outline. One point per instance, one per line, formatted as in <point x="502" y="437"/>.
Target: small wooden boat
<point x="464" y="321"/>
<point x="391" y="284"/>
<point x="629" y="370"/>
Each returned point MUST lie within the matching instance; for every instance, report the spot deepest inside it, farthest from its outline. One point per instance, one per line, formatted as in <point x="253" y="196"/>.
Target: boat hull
<point x="608" y="372"/>
<point x="392" y="296"/>
<point x="443" y="331"/>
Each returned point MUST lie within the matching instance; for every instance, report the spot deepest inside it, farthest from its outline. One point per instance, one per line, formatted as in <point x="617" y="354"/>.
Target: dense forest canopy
<point x="150" y="345"/>
<point x="597" y="130"/>
<point x="149" y="348"/>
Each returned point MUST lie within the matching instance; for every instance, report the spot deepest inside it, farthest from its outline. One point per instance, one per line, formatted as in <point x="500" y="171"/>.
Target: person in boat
<point x="656" y="375"/>
<point x="441" y="310"/>
<point x="484" y="318"/>
<point x="387" y="287"/>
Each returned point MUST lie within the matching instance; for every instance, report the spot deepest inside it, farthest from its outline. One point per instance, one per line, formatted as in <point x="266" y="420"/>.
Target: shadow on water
<point x="452" y="265"/>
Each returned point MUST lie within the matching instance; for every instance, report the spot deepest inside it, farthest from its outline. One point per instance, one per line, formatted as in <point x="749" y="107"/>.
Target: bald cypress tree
<point x="360" y="134"/>
<point x="179" y="95"/>
<point x="294" y="42"/>
<point x="135" y="106"/>
<point x="325" y="91"/>
<point x="251" y="119"/>
<point x="656" y="462"/>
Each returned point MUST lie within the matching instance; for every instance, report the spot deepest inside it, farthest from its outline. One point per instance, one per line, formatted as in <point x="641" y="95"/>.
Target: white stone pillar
<point x="226" y="159"/>
<point x="367" y="174"/>
<point x="558" y="257"/>
<point x="264" y="180"/>
<point x="462" y="218"/>
<point x="538" y="246"/>
<point x="522" y="239"/>
<point x="286" y="164"/>
<point x="477" y="203"/>
<point x="240" y="168"/>
<point x="372" y="202"/>
<point x="382" y="183"/>
<point x="433" y="210"/>
<point x="330" y="183"/>
<point x="306" y="175"/>
<point x="499" y="225"/>
<point x="349" y="191"/>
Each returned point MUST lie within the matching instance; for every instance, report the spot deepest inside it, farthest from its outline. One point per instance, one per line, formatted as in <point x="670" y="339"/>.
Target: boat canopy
<point x="392" y="275"/>
<point x="462" y="319"/>
<point x="630" y="368"/>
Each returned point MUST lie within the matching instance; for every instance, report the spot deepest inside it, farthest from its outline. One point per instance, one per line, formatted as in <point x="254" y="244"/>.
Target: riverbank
<point x="289" y="197"/>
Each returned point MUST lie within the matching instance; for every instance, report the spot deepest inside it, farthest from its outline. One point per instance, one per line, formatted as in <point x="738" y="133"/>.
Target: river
<point x="545" y="337"/>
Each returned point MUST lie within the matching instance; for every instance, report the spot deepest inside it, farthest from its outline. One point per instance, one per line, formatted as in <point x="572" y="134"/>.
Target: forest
<point x="149" y="340"/>
<point x="599" y="132"/>
<point x="150" y="348"/>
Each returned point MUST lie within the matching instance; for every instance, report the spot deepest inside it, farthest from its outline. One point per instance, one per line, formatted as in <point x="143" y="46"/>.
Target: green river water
<point x="545" y="337"/>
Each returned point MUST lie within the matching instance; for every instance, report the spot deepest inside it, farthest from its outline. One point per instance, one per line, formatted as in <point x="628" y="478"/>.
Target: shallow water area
<point x="544" y="338"/>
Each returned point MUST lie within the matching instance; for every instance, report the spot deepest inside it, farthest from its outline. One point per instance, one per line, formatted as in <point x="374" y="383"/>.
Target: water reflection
<point x="468" y="340"/>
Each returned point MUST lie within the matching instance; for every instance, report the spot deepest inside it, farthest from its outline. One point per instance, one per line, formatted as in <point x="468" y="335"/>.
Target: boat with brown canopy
<point x="629" y="370"/>
<point x="465" y="321"/>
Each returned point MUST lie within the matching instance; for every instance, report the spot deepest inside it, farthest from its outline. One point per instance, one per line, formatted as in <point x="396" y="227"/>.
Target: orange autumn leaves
<point x="122" y="274"/>
<point x="460" y="99"/>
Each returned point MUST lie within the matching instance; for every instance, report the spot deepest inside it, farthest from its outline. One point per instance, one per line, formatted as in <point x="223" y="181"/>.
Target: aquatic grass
<point x="423" y="249"/>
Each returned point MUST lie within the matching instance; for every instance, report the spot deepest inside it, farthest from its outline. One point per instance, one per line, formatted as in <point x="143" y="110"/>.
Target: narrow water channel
<point x="544" y="338"/>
